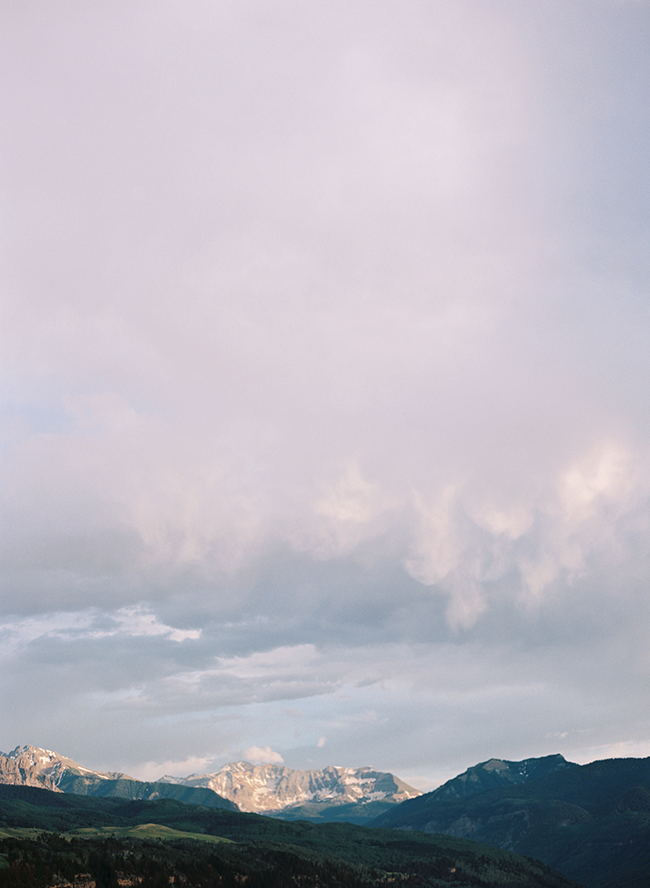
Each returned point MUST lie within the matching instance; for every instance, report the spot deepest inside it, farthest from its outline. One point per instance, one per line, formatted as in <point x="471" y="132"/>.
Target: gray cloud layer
<point x="325" y="382"/>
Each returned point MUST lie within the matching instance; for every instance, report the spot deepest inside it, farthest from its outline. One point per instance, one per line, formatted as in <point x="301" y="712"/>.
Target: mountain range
<point x="333" y="793"/>
<point x="33" y="766"/>
<point x="327" y="794"/>
<point x="590" y="822"/>
<point x="57" y="840"/>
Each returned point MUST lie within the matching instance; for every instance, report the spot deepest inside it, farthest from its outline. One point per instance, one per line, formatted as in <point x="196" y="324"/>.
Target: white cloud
<point x="324" y="330"/>
<point x="439" y="546"/>
<point x="135" y="621"/>
<point x="152" y="771"/>
<point x="262" y="756"/>
<point x="138" y="621"/>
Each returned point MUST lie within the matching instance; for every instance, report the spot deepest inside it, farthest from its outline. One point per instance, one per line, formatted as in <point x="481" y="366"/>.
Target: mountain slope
<point x="272" y="789"/>
<point x="331" y="794"/>
<point x="265" y="852"/>
<point x="496" y="773"/>
<point x="33" y="766"/>
<point x="590" y="822"/>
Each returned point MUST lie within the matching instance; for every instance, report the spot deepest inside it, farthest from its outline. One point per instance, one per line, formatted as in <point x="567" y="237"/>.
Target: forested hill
<point x="49" y="838"/>
<point x="590" y="822"/>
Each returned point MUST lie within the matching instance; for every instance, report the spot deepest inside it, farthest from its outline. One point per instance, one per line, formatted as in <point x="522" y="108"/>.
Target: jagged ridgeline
<point x="334" y="793"/>
<point x="33" y="766"/>
<point x="50" y="839"/>
<point x="589" y="822"/>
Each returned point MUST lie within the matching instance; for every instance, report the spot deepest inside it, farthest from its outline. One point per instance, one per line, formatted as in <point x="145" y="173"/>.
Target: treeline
<point x="52" y="860"/>
<point x="55" y="861"/>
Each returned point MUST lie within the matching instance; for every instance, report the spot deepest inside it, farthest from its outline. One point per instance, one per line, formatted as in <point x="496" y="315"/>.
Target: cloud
<point x="263" y="756"/>
<point x="131" y="622"/>
<point x="324" y="349"/>
<point x="136" y="621"/>
<point x="153" y="771"/>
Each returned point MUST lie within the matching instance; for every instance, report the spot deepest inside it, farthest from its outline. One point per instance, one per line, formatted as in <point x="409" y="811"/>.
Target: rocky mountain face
<point x="273" y="789"/>
<point x="333" y="793"/>
<point x="33" y="766"/>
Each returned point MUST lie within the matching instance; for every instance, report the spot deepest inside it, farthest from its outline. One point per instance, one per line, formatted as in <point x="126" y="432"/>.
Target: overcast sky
<point x="325" y="382"/>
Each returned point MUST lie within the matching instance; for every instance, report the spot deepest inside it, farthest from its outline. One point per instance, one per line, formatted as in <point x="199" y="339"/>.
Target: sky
<point x="325" y="382"/>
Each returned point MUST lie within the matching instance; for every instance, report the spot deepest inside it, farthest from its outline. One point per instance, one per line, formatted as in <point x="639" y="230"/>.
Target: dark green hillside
<point x="590" y="822"/>
<point x="325" y="812"/>
<point x="496" y="773"/>
<point x="127" y="788"/>
<point x="266" y="851"/>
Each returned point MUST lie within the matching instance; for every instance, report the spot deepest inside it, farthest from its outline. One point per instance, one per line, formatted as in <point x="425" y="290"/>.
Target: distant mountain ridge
<point x="274" y="788"/>
<point x="54" y="839"/>
<point x="33" y="766"/>
<point x="496" y="773"/>
<point x="45" y="769"/>
<point x="333" y="793"/>
<point x="493" y="776"/>
<point x="590" y="822"/>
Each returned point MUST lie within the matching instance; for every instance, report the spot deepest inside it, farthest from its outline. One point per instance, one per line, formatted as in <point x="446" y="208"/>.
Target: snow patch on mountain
<point x="35" y="766"/>
<point x="274" y="788"/>
<point x="269" y="788"/>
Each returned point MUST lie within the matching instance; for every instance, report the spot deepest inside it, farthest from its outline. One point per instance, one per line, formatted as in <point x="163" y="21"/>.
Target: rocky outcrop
<point x="33" y="766"/>
<point x="274" y="788"/>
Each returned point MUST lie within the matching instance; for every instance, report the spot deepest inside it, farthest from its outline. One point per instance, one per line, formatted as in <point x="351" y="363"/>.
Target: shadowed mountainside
<point x="112" y="840"/>
<point x="590" y="822"/>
